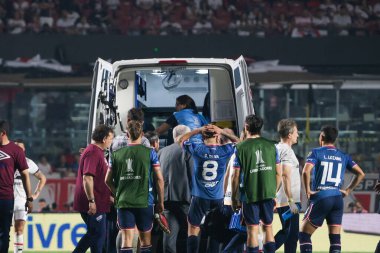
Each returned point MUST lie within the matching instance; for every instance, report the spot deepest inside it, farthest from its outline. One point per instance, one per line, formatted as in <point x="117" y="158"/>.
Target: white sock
<point x="19" y="243"/>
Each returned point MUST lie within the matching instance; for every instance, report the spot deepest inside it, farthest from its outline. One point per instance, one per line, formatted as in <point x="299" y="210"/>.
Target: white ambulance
<point x="219" y="87"/>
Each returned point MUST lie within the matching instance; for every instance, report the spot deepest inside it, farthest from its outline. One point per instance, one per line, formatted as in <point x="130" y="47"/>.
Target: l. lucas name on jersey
<point x="331" y="157"/>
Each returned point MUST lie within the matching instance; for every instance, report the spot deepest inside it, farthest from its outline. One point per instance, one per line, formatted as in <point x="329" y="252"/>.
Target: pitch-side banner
<point x="52" y="232"/>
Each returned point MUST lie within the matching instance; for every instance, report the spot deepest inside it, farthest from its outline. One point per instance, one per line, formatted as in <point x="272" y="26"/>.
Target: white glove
<point x="293" y="207"/>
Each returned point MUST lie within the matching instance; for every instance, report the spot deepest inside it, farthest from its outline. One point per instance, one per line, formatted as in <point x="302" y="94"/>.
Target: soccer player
<point x="289" y="194"/>
<point x="19" y="213"/>
<point x="12" y="158"/>
<point x="210" y="162"/>
<point x="377" y="189"/>
<point x="130" y="180"/>
<point x="325" y="195"/>
<point x="258" y="171"/>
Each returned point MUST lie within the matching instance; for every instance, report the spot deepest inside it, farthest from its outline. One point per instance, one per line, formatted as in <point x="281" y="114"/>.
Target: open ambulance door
<point x="103" y="109"/>
<point x="243" y="94"/>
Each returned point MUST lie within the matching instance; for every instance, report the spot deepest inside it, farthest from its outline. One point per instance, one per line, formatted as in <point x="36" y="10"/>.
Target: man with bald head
<point x="176" y="168"/>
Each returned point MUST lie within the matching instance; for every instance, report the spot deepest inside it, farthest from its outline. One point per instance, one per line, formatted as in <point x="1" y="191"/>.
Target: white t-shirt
<point x="287" y="156"/>
<point x="18" y="188"/>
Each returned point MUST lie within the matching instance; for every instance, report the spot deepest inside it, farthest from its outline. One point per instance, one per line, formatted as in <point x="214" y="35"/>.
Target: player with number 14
<point x="325" y="194"/>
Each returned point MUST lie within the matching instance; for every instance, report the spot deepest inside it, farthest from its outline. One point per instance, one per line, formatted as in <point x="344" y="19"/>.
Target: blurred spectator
<point x="66" y="22"/>
<point x="46" y="9"/>
<point x="43" y="207"/>
<point x="202" y="26"/>
<point x="20" y="5"/>
<point x="145" y="4"/>
<point x="16" y="25"/>
<point x="61" y="165"/>
<point x="83" y="27"/>
<point x="320" y="22"/>
<point x="342" y="20"/>
<point x="169" y="27"/>
<point x="215" y="4"/>
<point x="75" y="165"/>
<point x="44" y="165"/>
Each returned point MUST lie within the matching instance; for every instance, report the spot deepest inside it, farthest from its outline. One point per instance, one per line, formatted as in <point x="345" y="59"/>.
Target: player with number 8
<point x="210" y="162"/>
<point x="326" y="198"/>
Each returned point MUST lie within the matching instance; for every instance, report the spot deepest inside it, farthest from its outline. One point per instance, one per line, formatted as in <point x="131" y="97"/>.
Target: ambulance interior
<point x="155" y="89"/>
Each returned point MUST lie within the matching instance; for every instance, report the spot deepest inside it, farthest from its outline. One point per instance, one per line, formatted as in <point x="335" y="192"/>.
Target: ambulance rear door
<point x="243" y="94"/>
<point x="103" y="97"/>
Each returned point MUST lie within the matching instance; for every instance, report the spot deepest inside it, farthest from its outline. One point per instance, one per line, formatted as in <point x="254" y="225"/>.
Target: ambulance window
<point x="159" y="88"/>
<point x="237" y="77"/>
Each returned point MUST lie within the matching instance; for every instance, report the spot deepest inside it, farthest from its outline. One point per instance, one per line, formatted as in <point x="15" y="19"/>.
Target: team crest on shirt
<point x="129" y="166"/>
<point x="4" y="155"/>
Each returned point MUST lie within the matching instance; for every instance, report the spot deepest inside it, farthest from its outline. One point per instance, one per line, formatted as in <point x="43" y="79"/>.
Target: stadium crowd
<point x="260" y="18"/>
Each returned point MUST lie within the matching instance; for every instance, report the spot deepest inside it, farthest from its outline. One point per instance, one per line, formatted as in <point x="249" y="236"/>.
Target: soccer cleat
<point x="162" y="222"/>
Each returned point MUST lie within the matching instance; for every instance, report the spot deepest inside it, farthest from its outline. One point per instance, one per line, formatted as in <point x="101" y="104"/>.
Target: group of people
<point x="208" y="171"/>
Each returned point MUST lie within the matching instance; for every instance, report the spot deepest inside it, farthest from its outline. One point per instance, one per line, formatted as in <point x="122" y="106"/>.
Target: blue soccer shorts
<point x="128" y="218"/>
<point x="329" y="208"/>
<point x="199" y="207"/>
<point x="260" y="210"/>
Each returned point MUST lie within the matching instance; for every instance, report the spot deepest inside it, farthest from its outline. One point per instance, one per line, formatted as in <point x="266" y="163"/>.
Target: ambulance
<point x="219" y="87"/>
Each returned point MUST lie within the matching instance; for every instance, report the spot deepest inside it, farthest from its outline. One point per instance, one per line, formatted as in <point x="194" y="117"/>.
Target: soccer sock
<point x="19" y="243"/>
<point x="126" y="250"/>
<point x="252" y="249"/>
<point x="146" y="249"/>
<point x="305" y="242"/>
<point x="270" y="247"/>
<point x="192" y="243"/>
<point x="334" y="243"/>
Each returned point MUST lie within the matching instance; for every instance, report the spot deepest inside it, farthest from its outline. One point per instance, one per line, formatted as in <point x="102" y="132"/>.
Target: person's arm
<point x="235" y="187"/>
<point x="26" y="183"/>
<point x="306" y="178"/>
<point x="187" y="136"/>
<point x="278" y="171"/>
<point x="359" y="176"/>
<point x="225" y="180"/>
<point x="162" y="128"/>
<point x="88" y="185"/>
<point x="109" y="182"/>
<point x="220" y="131"/>
<point x="286" y="181"/>
<point x="41" y="183"/>
<point x="159" y="188"/>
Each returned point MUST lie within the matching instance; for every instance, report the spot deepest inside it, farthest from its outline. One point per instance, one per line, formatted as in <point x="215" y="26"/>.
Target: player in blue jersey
<point x="325" y="194"/>
<point x="210" y="162"/>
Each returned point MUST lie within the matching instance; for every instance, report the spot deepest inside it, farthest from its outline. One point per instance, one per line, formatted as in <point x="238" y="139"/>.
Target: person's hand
<point x="159" y="207"/>
<point x="293" y="207"/>
<point x="345" y="192"/>
<point x="308" y="194"/>
<point x="29" y="206"/>
<point x="236" y="205"/>
<point x="36" y="194"/>
<point x="91" y="208"/>
<point x="213" y="128"/>
<point x="377" y="187"/>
